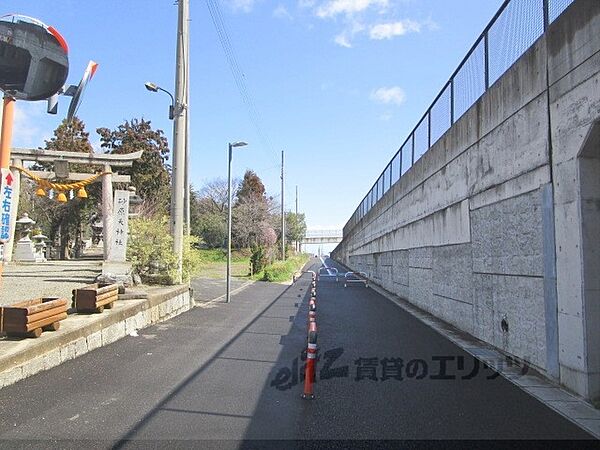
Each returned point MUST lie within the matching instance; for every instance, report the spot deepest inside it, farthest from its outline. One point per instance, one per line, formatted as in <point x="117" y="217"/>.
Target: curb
<point x="86" y="332"/>
<point x="199" y="303"/>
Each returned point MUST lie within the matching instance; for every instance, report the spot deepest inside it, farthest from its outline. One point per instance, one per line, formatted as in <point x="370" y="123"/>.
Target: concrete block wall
<point x="498" y="221"/>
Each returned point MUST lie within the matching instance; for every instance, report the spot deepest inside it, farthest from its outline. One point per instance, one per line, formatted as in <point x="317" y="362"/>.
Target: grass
<point x="216" y="255"/>
<point x="213" y="264"/>
<point x="281" y="271"/>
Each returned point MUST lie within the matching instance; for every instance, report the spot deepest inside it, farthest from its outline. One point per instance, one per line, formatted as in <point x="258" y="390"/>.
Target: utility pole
<point x="297" y="243"/>
<point x="187" y="133"/>
<point x="179" y="142"/>
<point x="282" y="212"/>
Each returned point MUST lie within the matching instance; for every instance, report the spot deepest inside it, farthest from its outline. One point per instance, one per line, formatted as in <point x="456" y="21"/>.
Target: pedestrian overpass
<point x="322" y="237"/>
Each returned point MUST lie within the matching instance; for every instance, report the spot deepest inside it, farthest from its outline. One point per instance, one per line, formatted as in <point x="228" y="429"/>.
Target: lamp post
<point x="175" y="111"/>
<point x="231" y="146"/>
<point x="152" y="87"/>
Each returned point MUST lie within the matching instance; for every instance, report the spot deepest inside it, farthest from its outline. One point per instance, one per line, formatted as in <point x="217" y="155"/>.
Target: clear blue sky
<point x="338" y="84"/>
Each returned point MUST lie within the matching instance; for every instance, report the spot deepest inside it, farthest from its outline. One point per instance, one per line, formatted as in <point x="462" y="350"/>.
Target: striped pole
<point x="311" y="356"/>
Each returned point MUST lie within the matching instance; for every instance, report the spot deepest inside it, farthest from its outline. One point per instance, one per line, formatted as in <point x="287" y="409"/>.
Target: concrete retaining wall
<point x="498" y="223"/>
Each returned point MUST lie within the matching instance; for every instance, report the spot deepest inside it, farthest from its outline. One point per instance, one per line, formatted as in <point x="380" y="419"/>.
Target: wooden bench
<point x="29" y="318"/>
<point x="95" y="297"/>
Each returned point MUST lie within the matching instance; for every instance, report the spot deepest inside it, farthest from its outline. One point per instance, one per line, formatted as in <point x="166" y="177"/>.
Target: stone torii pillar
<point x="107" y="212"/>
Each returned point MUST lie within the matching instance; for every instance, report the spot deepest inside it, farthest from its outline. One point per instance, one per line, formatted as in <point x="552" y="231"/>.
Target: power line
<point x="237" y="73"/>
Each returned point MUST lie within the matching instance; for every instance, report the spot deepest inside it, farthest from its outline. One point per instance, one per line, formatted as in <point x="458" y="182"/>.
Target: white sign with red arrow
<point x="6" y="203"/>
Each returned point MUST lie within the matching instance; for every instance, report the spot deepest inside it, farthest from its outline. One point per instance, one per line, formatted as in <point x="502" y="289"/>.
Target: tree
<point x="63" y="222"/>
<point x="208" y="212"/>
<point x="253" y="218"/>
<point x="251" y="189"/>
<point x="252" y="221"/>
<point x="150" y="175"/>
<point x="248" y="222"/>
<point x="70" y="136"/>
<point x="195" y="212"/>
<point x="214" y="195"/>
<point x="295" y="227"/>
<point x="251" y="212"/>
<point x="212" y="198"/>
<point x="212" y="228"/>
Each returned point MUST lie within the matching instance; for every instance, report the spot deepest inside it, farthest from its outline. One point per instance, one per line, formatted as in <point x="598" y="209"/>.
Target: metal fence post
<point x="486" y="50"/>
<point x="546" y="7"/>
<point x="429" y="129"/>
<point x="452" y="101"/>
<point x="456" y="109"/>
<point x="400" y="168"/>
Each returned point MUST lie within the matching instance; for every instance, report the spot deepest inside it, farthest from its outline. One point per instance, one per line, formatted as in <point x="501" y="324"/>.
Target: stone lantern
<point x="39" y="244"/>
<point x="135" y="202"/>
<point x="96" y="226"/>
<point x="25" y="251"/>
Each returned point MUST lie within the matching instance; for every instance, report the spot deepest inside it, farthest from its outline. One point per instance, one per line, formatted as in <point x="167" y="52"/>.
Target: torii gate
<point x="106" y="161"/>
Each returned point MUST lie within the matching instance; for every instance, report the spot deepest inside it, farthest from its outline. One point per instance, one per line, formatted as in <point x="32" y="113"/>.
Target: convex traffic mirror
<point x="34" y="61"/>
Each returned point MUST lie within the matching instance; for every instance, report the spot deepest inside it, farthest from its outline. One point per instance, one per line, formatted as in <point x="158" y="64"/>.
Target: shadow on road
<point x="381" y="375"/>
<point x="384" y="375"/>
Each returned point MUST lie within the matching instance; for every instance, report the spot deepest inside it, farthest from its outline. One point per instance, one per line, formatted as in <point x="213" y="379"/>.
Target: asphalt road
<point x="231" y="376"/>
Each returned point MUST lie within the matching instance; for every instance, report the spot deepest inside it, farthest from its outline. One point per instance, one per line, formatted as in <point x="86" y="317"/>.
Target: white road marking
<point x="325" y="265"/>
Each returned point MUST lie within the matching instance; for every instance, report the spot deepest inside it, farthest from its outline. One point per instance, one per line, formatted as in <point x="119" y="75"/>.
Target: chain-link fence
<point x="514" y="29"/>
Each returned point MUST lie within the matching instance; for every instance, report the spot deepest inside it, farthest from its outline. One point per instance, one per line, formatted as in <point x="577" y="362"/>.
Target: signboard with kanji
<point x="121" y="226"/>
<point x="6" y="204"/>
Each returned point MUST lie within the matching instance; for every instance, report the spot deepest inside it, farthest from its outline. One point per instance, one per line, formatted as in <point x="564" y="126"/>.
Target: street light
<point x="231" y="146"/>
<point x="153" y="87"/>
<point x="179" y="113"/>
<point x="176" y="110"/>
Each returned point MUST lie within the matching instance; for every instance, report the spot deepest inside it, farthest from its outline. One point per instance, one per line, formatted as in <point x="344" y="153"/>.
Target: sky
<point x="336" y="84"/>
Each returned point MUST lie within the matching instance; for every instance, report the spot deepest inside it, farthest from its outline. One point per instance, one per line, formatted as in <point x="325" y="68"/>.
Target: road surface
<point x="229" y="375"/>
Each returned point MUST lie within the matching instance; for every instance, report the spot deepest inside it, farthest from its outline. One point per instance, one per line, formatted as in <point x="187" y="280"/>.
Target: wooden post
<point x="107" y="212"/>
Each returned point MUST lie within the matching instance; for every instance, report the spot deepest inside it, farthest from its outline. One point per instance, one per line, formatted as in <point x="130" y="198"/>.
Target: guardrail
<point x="356" y="278"/>
<point x="327" y="273"/>
<point x="510" y="33"/>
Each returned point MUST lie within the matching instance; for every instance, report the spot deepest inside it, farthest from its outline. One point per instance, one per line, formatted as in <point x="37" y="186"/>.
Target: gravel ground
<point x="56" y="278"/>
